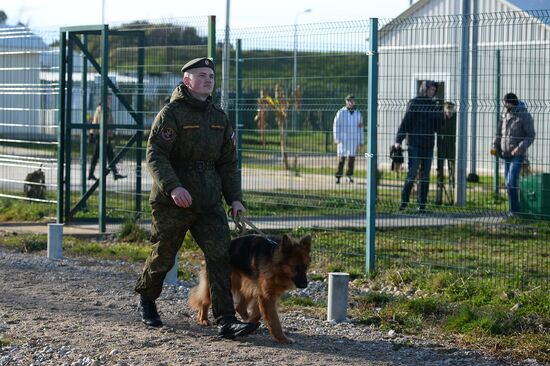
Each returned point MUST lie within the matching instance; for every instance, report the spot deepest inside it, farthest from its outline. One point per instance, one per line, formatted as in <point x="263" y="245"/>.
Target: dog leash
<point x="240" y="226"/>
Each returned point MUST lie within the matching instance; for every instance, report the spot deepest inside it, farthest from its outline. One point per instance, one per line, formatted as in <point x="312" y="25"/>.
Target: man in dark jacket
<point x="191" y="156"/>
<point x="421" y="119"/>
<point x="515" y="133"/>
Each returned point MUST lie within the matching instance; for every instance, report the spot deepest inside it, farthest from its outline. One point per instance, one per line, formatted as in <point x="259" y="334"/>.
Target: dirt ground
<point x="82" y="311"/>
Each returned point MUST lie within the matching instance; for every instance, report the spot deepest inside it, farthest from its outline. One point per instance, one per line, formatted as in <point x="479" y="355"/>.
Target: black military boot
<point x="230" y="327"/>
<point x="149" y="314"/>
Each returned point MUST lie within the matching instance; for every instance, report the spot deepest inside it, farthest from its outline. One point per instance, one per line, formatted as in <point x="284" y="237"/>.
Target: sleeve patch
<point x="168" y="134"/>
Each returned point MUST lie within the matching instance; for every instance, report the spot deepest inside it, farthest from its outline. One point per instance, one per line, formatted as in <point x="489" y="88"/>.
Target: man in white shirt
<point x="348" y="136"/>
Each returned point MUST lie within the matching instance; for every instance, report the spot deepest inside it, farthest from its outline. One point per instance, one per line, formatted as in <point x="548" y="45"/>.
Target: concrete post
<point x="55" y="241"/>
<point x="172" y="276"/>
<point x="337" y="296"/>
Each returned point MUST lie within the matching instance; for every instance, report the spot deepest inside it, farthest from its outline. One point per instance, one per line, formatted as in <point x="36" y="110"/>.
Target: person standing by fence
<point x="349" y="136"/>
<point x="94" y="139"/>
<point x="419" y="124"/>
<point x="515" y="133"/>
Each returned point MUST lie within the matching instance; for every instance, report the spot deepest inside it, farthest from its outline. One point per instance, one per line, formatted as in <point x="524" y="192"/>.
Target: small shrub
<point x="34" y="243"/>
<point x="439" y="281"/>
<point x="463" y="319"/>
<point x="374" y="299"/>
<point x="425" y="306"/>
<point x="132" y="232"/>
<point x="298" y="301"/>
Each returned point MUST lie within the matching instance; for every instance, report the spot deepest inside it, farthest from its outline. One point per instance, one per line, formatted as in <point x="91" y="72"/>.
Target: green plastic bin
<point x="534" y="197"/>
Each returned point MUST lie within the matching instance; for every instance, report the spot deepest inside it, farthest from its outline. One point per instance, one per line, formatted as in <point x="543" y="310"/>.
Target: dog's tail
<point x="200" y="294"/>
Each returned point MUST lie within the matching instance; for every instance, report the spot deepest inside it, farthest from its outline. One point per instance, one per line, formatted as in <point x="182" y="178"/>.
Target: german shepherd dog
<point x="263" y="269"/>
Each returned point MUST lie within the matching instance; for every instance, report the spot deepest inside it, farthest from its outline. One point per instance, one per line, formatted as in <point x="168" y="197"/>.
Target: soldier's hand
<point x="181" y="197"/>
<point x="397" y="145"/>
<point x="236" y="208"/>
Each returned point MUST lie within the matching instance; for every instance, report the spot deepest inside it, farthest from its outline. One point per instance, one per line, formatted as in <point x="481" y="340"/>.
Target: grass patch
<point x="298" y="301"/>
<point x="20" y="210"/>
<point x="5" y="342"/>
<point x="472" y="311"/>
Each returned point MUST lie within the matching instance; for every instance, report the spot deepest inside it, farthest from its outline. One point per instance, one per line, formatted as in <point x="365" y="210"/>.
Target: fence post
<point x="55" y="241"/>
<point x="337" y="296"/>
<point x="462" y="135"/>
<point x="68" y="124"/>
<point x="139" y="133"/>
<point x="238" y="97"/>
<point x="103" y="128"/>
<point x="84" y="117"/>
<point x="61" y="130"/>
<point x="372" y="148"/>
<point x="496" y="177"/>
<point x="473" y="176"/>
<point x="212" y="37"/>
<point x="172" y="275"/>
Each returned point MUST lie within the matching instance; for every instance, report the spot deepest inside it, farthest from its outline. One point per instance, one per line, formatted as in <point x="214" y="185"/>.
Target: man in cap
<point x="191" y="156"/>
<point x="422" y="118"/>
<point x="516" y="132"/>
<point x="348" y="136"/>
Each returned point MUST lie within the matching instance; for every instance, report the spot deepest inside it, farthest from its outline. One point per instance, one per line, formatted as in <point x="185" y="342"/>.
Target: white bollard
<point x="172" y="276"/>
<point x="55" y="241"/>
<point x="337" y="296"/>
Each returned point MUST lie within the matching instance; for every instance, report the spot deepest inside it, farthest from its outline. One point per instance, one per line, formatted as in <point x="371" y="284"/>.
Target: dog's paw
<point x="203" y="322"/>
<point x="285" y="340"/>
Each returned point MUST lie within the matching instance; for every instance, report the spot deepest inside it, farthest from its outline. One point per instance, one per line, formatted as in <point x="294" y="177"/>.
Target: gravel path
<point x="82" y="311"/>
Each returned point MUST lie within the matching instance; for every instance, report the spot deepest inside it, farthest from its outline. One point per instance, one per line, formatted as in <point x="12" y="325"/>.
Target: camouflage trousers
<point x="211" y="232"/>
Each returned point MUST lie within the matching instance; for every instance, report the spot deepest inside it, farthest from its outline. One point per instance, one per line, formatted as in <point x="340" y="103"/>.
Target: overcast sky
<point x="244" y="13"/>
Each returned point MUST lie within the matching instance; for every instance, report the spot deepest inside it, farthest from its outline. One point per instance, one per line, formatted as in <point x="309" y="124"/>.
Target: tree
<point x="3" y="17"/>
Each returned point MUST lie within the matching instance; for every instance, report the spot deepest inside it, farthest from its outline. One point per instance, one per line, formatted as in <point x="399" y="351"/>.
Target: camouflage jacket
<point x="192" y="145"/>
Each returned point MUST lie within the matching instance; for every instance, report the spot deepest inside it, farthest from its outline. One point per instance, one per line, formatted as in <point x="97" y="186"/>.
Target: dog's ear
<point x="286" y="240"/>
<point x="286" y="243"/>
<point x="306" y="242"/>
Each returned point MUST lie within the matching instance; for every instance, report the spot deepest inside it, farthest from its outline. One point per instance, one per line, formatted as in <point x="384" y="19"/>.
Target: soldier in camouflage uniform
<point x="192" y="158"/>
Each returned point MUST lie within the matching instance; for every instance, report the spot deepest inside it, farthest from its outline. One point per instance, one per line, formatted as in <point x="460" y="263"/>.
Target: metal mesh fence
<point x="292" y="84"/>
<point x="294" y="81"/>
<point x="27" y="118"/>
<point x="466" y="224"/>
<point x="164" y="45"/>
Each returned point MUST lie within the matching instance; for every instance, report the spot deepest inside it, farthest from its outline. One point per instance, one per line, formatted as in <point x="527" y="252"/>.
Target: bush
<point x="132" y="232"/>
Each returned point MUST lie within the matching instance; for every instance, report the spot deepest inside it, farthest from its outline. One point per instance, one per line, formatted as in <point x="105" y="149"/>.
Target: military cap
<point x="198" y="62"/>
<point x="350" y="96"/>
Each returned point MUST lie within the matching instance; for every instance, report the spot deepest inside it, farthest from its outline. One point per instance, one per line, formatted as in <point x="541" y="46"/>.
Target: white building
<point x="425" y="42"/>
<point x="20" y="88"/>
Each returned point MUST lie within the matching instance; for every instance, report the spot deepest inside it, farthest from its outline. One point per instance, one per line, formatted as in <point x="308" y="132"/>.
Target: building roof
<point x="538" y="9"/>
<point x="522" y="5"/>
<point x="19" y="38"/>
